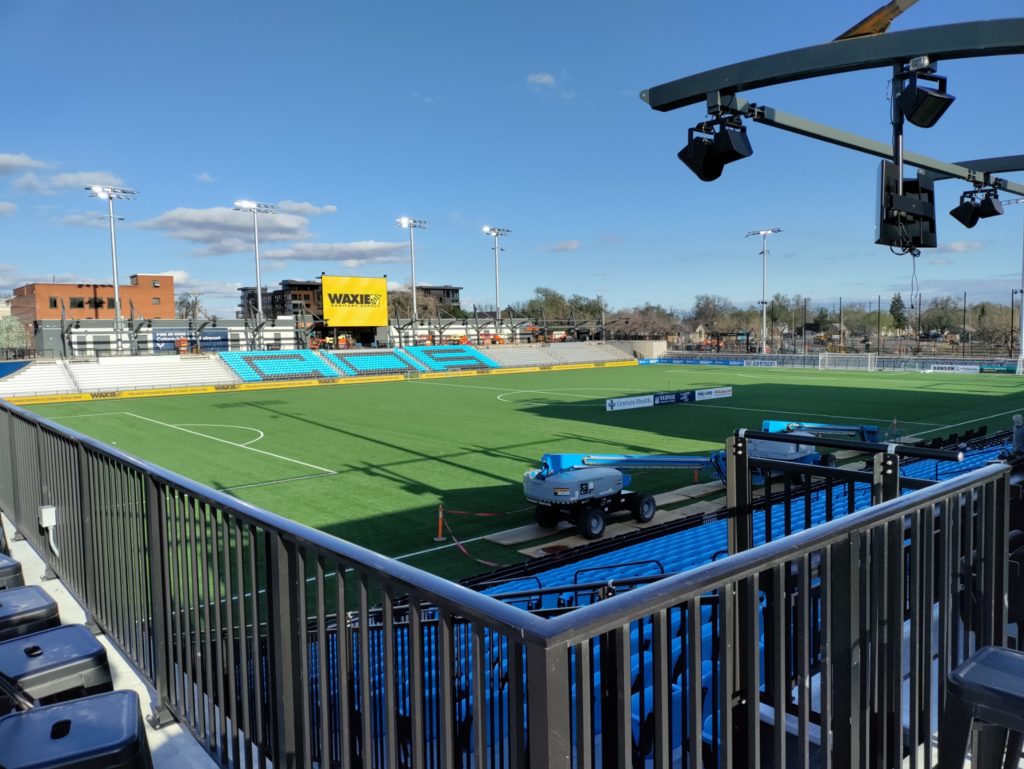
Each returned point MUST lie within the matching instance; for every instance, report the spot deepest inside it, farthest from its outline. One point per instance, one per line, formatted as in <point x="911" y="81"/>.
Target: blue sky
<point x="522" y="115"/>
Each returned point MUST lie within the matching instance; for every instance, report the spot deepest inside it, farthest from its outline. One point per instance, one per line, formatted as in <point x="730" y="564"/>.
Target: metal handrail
<point x="471" y="604"/>
<point x="601" y="617"/>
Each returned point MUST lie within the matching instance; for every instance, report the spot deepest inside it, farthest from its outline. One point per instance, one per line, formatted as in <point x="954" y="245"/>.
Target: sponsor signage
<point x="713" y="393"/>
<point x="952" y="368"/>
<point x="702" y="361"/>
<point x="665" y="399"/>
<point x="209" y="339"/>
<point x="355" y="302"/>
<point x="761" y="363"/>
<point x="632" y="402"/>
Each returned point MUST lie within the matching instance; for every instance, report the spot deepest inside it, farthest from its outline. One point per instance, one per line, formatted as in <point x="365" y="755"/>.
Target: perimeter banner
<point x="355" y="301"/>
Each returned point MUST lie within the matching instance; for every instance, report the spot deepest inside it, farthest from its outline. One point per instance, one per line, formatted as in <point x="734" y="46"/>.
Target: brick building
<point x="151" y="295"/>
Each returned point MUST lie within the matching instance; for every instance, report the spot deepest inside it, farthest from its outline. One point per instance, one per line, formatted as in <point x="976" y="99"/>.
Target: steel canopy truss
<point x="1000" y="37"/>
<point x="718" y="87"/>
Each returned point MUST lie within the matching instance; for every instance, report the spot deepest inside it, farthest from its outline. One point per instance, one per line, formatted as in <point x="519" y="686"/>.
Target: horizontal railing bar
<point x="597" y="618"/>
<point x="463" y="601"/>
<point x="838" y="443"/>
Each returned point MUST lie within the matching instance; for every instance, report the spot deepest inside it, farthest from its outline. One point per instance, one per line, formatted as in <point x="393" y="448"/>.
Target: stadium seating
<point x="448" y="357"/>
<point x="41" y="377"/>
<point x="354" y="363"/>
<point x="278" y="364"/>
<point x="144" y="372"/>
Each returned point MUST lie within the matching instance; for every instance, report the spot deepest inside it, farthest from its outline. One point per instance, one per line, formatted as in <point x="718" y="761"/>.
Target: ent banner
<point x="356" y="302"/>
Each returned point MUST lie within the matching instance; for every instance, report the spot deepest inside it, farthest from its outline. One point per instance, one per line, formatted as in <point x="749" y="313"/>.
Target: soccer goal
<point x="857" y="361"/>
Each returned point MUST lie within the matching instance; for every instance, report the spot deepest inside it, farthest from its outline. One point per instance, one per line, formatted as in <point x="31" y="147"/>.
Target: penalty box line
<point x="323" y="470"/>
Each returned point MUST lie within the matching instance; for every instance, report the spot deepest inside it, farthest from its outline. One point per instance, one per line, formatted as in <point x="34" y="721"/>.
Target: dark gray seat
<point x="988" y="687"/>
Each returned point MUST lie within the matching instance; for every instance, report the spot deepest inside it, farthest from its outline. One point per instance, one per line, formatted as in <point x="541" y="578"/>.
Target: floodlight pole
<point x="123" y="193"/>
<point x="764" y="283"/>
<point x="412" y="224"/>
<point x="256" y="209"/>
<point x="496" y="232"/>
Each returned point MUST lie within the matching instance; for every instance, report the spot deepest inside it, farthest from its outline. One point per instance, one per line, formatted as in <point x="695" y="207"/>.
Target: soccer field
<point x="371" y="462"/>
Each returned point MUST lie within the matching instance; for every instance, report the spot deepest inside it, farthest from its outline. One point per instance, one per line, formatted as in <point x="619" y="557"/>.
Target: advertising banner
<point x="632" y="402"/>
<point x="713" y="393"/>
<point x="355" y="302"/>
<point x="665" y="399"/>
<point x="210" y="339"/>
<point x="953" y="368"/>
<point x="761" y="363"/>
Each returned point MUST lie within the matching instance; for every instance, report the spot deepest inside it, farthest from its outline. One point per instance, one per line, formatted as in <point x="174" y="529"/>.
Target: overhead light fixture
<point x="713" y="144"/>
<point x="977" y="204"/>
<point x="967" y="212"/>
<point x="924" y="106"/>
<point x="990" y="206"/>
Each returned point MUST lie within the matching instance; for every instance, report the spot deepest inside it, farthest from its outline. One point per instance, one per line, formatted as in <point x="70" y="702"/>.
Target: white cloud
<point x="961" y="247"/>
<point x="11" y="164"/>
<point x="305" y="209"/>
<point x="6" y="209"/>
<point x="940" y="260"/>
<point x="353" y="254"/>
<point x="568" y="245"/>
<point x="49" y="185"/>
<point x="222" y="230"/>
<point x="545" y="79"/>
<point x="205" y="177"/>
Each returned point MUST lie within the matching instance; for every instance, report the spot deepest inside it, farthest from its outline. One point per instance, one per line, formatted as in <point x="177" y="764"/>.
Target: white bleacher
<point x="145" y="372"/>
<point x="587" y="352"/>
<point x="553" y="354"/>
<point x="46" y="377"/>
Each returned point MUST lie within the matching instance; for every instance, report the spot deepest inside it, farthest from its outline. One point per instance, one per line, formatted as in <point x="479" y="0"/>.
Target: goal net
<point x="860" y="361"/>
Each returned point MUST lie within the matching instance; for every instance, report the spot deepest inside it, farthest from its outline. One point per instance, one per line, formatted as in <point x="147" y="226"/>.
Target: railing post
<point x="85" y="512"/>
<point x="845" y="613"/>
<point x="284" y="591"/>
<point x="885" y="484"/>
<point x="547" y="697"/>
<point x="158" y="589"/>
<point x="738" y="496"/>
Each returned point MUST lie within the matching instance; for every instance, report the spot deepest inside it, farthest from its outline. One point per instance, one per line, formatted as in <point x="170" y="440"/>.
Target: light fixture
<point x="924" y="106"/>
<point x="256" y="209"/>
<point x="713" y="144"/>
<point x="967" y="211"/>
<point x="496" y="232"/>
<point x="975" y="205"/>
<point x="110" y="194"/>
<point x="408" y="223"/>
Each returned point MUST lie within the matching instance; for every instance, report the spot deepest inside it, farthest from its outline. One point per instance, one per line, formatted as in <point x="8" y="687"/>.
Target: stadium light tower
<point x="764" y="283"/>
<point x="496" y="232"/>
<point x="257" y="209"/>
<point x="109" y="194"/>
<point x="410" y="224"/>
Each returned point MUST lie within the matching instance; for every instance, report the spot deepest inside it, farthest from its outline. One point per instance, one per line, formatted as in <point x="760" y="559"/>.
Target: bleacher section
<point x="142" y="372"/>
<point x="373" y="362"/>
<point x="446" y="357"/>
<point x="274" y="365"/>
<point x="41" y="377"/>
<point x="510" y="356"/>
<point x="139" y="373"/>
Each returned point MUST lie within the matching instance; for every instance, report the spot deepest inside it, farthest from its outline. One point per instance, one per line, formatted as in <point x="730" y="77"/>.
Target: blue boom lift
<point x="585" y="488"/>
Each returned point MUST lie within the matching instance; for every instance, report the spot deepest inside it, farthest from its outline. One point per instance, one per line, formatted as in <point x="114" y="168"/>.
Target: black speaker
<point x="732" y="144"/>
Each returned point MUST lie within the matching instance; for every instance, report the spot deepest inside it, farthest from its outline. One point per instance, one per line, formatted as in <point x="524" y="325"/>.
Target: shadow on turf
<point x="923" y="409"/>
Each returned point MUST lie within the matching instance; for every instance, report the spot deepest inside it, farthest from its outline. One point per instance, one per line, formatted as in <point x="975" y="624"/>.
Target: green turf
<point x="371" y="462"/>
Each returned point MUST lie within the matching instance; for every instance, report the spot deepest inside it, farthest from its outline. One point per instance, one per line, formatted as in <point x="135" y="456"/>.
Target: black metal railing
<point x="276" y="643"/>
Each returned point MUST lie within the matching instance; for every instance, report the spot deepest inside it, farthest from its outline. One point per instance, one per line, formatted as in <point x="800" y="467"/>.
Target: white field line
<point x="259" y="433"/>
<point x="323" y="474"/>
<point x="324" y="470"/>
